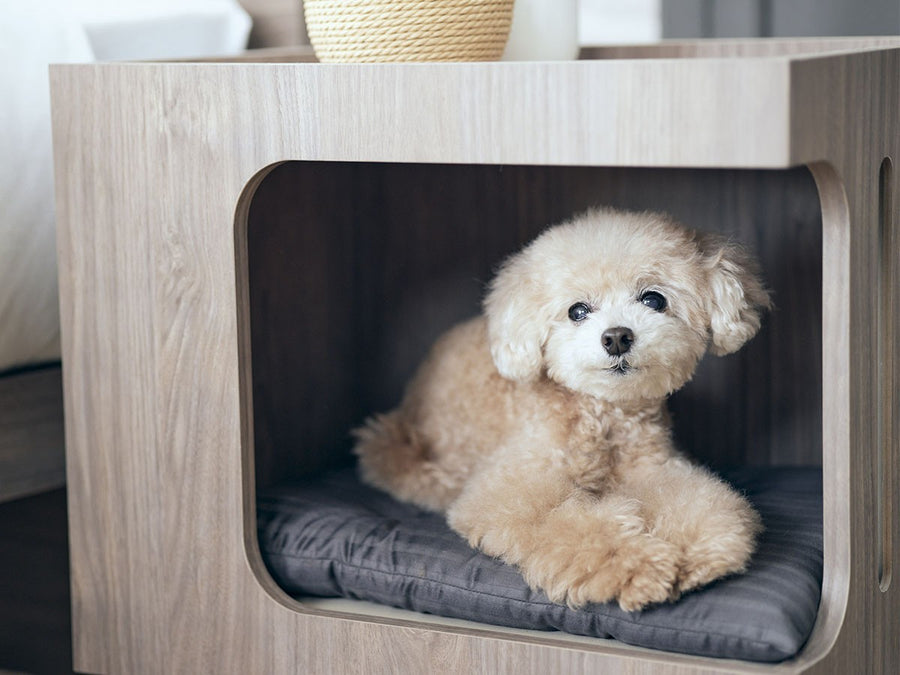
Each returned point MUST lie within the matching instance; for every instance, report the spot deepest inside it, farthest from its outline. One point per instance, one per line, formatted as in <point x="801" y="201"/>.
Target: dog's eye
<point x="653" y="300"/>
<point x="579" y="311"/>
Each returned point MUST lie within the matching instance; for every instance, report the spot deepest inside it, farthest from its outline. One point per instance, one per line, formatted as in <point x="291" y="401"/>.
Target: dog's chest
<point x="604" y="440"/>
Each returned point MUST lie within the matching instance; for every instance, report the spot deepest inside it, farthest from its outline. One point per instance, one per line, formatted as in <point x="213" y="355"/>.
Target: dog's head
<point x="620" y="305"/>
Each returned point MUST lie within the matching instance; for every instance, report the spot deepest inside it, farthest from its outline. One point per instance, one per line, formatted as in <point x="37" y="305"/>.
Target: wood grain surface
<point x="170" y="183"/>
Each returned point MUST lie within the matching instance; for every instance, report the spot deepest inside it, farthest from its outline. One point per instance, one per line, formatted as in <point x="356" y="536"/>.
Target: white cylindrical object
<point x="543" y="30"/>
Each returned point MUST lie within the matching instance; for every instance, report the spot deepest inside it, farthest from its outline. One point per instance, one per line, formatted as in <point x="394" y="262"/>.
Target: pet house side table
<point x="171" y="424"/>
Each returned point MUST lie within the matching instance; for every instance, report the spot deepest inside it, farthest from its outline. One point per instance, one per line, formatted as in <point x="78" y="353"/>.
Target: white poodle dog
<point x="541" y="429"/>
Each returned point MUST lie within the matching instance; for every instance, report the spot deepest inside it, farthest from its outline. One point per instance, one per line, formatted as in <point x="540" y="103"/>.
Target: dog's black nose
<point x="617" y="341"/>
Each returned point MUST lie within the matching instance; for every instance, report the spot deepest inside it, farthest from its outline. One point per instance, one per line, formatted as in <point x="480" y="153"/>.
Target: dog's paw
<point x="636" y="573"/>
<point x="654" y="578"/>
<point x="707" y="561"/>
<point x="718" y="553"/>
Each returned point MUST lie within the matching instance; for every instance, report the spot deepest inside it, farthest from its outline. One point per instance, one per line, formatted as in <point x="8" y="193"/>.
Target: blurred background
<point x="675" y="19"/>
<point x="605" y="21"/>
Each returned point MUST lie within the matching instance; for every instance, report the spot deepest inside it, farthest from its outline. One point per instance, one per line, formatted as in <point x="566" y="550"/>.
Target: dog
<point x="540" y="428"/>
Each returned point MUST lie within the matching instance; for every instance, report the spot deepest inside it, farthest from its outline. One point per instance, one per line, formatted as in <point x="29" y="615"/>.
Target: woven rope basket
<point x="408" y="30"/>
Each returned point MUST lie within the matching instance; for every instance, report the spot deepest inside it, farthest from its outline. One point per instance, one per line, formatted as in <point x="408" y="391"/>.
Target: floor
<point x="35" y="624"/>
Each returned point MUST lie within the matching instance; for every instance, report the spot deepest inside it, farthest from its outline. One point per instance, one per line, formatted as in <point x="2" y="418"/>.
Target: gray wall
<point x="779" y="18"/>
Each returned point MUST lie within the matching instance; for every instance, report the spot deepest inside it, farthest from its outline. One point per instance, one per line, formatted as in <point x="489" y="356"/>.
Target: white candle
<point x="543" y="30"/>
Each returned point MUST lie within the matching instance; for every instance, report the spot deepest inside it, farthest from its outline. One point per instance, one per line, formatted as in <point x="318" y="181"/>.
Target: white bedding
<point x="34" y="34"/>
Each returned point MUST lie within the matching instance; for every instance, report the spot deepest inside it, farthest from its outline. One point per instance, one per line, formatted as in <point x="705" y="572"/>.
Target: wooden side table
<point x="189" y="377"/>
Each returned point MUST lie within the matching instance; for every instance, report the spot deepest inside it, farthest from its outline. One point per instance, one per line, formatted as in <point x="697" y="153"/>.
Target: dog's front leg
<point x="712" y="525"/>
<point x="575" y="545"/>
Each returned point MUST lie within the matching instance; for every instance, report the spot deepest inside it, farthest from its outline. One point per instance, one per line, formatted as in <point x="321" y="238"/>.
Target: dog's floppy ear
<point x="737" y="297"/>
<point x="517" y="328"/>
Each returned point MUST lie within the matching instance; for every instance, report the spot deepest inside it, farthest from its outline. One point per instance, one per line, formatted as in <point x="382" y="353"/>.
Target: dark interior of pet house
<point x="353" y="271"/>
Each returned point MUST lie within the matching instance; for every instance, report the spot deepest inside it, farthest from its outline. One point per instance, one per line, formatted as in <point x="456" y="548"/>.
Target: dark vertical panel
<point x="682" y="18"/>
<point x="35" y="602"/>
<point x="835" y="17"/>
<point x="766" y="25"/>
<point x="736" y="18"/>
<point x="765" y="18"/>
<point x="357" y="268"/>
<point x="301" y="247"/>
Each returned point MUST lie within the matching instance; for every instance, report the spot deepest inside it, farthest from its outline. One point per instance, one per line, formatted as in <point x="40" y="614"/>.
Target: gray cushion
<point x="334" y="536"/>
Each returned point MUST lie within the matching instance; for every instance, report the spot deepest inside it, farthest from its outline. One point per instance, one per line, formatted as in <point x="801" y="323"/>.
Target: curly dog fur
<point x="541" y="430"/>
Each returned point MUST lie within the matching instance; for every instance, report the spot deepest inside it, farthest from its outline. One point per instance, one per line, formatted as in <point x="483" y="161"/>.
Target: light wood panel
<point x="848" y="178"/>
<point x="32" y="447"/>
<point x="154" y="163"/>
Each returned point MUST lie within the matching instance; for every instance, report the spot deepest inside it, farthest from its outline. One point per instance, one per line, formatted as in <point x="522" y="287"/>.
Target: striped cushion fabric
<point x="334" y="536"/>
